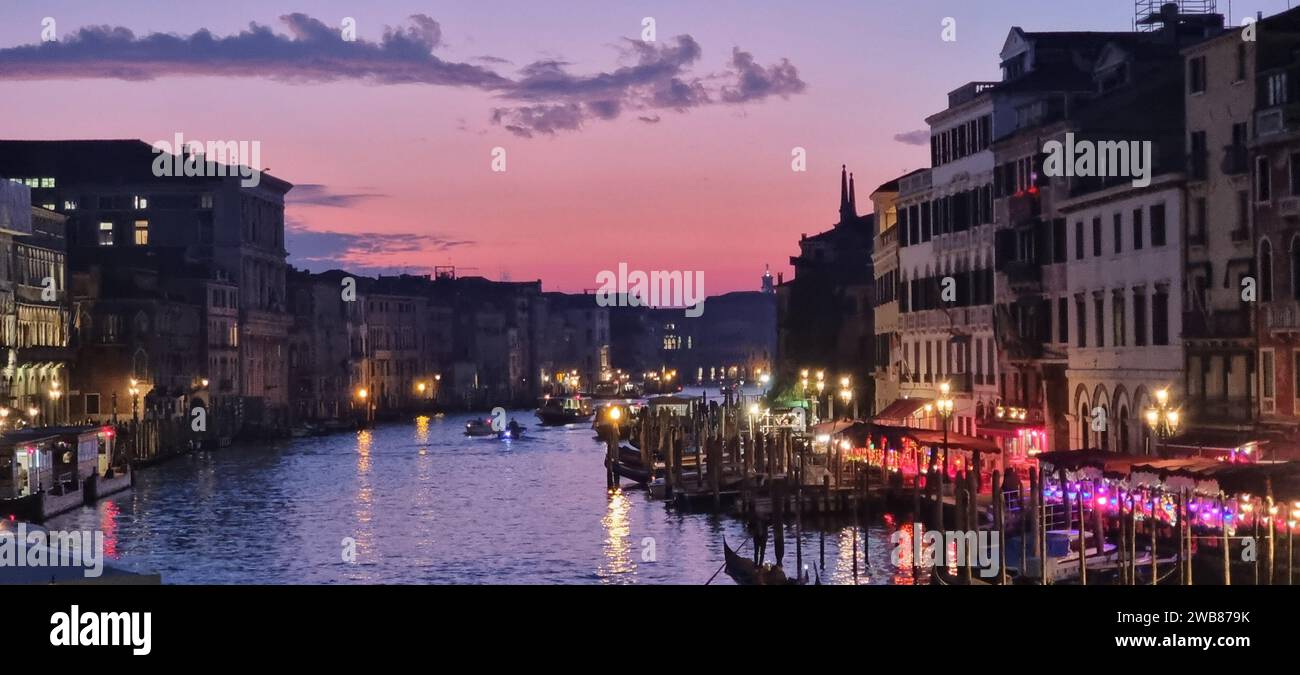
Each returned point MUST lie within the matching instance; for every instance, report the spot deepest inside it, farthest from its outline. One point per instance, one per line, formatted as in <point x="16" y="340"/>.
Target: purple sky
<point x="669" y="156"/>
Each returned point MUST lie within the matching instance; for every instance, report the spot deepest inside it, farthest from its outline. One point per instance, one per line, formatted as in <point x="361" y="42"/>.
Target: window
<point x="1196" y="75"/>
<point x="205" y="200"/>
<point x="1275" y="89"/>
<point x="1118" y="319"/>
<point x="1078" y="240"/>
<point x="1243" y="215"/>
<point x="1137" y="229"/>
<point x="1119" y="232"/>
<point x="1058" y="241"/>
<point x="1293" y="163"/>
<point x="1295" y="268"/>
<point x="1157" y="224"/>
<point x="1266" y="271"/>
<point x="1063" y="321"/>
<point x="1197" y="234"/>
<point x="47" y="182"/>
<point x="1160" y="317"/>
<point x="1099" y="304"/>
<point x="92" y="404"/>
<point x="1081" y="315"/>
<point x="1263" y="181"/>
<point x="141" y="233"/>
<point x="69" y="205"/>
<point x="1266" y="373"/>
<point x="1241" y="62"/>
<point x="140" y="202"/>
<point x="1198" y="155"/>
<point x="1139" y="317"/>
<point x="1096" y="237"/>
<point x="105" y="234"/>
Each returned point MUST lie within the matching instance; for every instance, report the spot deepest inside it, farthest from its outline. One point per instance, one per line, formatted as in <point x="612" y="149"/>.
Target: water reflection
<point x="424" y="504"/>
<point x="617" y="559"/>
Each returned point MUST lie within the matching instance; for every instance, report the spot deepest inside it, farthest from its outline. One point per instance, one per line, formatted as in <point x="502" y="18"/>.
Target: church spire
<point x="848" y="212"/>
<point x="853" y="197"/>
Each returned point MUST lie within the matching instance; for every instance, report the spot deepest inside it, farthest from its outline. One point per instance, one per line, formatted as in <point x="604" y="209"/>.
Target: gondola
<point x="746" y="573"/>
<point x="632" y="472"/>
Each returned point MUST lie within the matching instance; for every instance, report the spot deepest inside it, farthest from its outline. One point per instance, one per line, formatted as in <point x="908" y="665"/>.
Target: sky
<point x="671" y="154"/>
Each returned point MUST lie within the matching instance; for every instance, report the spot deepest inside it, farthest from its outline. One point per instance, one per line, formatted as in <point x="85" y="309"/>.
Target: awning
<point x="902" y="409"/>
<point x="831" y="428"/>
<point x="1111" y="464"/>
<point x="1219" y="440"/>
<point x="1004" y="428"/>
<point x="935" y="438"/>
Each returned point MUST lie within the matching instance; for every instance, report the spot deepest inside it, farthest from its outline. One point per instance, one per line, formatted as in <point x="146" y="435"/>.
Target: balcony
<point x="1236" y="160"/>
<point x="1198" y="325"/>
<point x="1024" y="276"/>
<point x="1220" y="410"/>
<point x="1282" y="317"/>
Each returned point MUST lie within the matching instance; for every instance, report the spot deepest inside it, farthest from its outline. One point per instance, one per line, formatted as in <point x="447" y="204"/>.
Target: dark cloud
<point x="545" y="96"/>
<point x="315" y="194"/>
<point x="309" y="52"/>
<point x="917" y="137"/>
<point x="365" y="252"/>
<point x="755" y="83"/>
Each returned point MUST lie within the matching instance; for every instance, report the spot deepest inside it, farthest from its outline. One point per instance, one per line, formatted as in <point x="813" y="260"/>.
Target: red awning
<point x="902" y="409"/>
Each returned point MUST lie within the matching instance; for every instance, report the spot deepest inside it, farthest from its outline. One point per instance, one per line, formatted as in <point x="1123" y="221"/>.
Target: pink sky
<point x="709" y="188"/>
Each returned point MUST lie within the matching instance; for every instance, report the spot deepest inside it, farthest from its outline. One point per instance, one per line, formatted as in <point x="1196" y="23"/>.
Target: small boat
<point x="559" y="410"/>
<point x="746" y="573"/>
<point x="479" y="429"/>
<point x="633" y="472"/>
<point x="1063" y="556"/>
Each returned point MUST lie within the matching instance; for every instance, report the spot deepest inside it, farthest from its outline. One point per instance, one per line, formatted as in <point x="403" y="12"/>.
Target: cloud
<point x="543" y="97"/>
<point x="917" y="137"/>
<point x="315" y="194"/>
<point x="755" y="83"/>
<point x="365" y="252"/>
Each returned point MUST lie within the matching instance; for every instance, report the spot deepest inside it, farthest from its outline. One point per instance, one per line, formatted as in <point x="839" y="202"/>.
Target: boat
<point x="559" y="410"/>
<point x="479" y="428"/>
<point x="633" y="472"/>
<point x="1063" y="556"/>
<point x="746" y="573"/>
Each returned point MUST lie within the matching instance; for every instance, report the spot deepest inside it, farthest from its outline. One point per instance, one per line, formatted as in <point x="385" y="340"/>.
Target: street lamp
<point x="821" y="386"/>
<point x="945" y="407"/>
<point x="134" y="390"/>
<point x="1162" y="419"/>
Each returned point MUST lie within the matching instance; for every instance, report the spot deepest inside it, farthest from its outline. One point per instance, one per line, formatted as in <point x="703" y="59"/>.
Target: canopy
<point x="902" y="409"/>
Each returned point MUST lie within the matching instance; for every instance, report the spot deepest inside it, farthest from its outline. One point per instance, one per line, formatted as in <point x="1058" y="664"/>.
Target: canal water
<point x="425" y="504"/>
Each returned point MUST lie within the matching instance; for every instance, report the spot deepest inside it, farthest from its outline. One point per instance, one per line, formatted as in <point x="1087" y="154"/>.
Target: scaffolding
<point x="1146" y="13"/>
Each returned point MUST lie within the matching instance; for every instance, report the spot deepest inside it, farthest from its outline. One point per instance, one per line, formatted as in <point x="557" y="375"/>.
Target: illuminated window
<point x="69" y="205"/>
<point x="141" y="233"/>
<point x="140" y="202"/>
<point x="105" y="234"/>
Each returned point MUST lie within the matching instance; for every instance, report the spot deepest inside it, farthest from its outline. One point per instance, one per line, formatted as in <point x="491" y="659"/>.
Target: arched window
<point x="1266" y="271"/>
<point x="1123" y="430"/>
<point x="140" y="366"/>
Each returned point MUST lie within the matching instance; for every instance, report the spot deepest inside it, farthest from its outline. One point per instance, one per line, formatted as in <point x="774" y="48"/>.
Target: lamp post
<point x="55" y="395"/>
<point x="944" y="405"/>
<point x="821" y="386"/>
<point x="364" y="395"/>
<point x="134" y="390"/>
<point x="1162" y="419"/>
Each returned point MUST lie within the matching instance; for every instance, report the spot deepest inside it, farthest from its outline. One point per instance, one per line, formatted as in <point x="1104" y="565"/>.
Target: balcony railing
<point x="1024" y="275"/>
<point x="1282" y="317"/>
